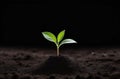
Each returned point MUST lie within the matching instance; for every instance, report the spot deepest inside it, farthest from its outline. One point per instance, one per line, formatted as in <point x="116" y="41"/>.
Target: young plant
<point x="57" y="40"/>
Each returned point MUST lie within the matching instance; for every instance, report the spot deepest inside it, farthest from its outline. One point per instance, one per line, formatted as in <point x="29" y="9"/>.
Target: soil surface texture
<point x="82" y="63"/>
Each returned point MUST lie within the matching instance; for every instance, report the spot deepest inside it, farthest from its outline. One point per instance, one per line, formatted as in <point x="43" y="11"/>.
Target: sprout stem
<point x="58" y="51"/>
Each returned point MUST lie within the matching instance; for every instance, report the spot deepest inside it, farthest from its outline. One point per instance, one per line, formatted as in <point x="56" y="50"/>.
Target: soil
<point x="82" y="63"/>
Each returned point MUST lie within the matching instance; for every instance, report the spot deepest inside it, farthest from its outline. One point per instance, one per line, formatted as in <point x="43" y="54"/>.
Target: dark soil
<point x="83" y="63"/>
<point x="57" y="65"/>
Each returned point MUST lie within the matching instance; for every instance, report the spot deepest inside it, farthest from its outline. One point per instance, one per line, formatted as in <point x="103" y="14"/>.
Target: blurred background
<point x="90" y="23"/>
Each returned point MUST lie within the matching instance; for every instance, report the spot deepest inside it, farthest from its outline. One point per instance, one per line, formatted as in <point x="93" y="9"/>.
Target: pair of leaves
<point x="57" y="40"/>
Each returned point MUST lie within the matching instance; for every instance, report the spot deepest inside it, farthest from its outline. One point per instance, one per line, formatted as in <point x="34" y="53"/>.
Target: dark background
<point x="90" y="23"/>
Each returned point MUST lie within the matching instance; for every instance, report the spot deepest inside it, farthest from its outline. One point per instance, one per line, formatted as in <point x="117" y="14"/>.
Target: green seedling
<point x="57" y="40"/>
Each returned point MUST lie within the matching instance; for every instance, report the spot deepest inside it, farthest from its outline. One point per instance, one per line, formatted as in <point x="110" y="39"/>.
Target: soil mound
<point x="57" y="65"/>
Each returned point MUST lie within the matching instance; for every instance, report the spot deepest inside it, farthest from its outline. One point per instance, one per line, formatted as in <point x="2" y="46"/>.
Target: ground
<point x="94" y="63"/>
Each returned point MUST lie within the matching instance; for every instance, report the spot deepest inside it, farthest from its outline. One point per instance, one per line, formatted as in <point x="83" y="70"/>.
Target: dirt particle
<point x="52" y="77"/>
<point x="15" y="76"/>
<point x="79" y="77"/>
<point x="26" y="77"/>
<point x="115" y="75"/>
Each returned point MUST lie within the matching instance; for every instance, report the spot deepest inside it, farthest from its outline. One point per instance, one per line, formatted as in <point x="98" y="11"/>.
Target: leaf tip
<point x="42" y="33"/>
<point x="75" y="41"/>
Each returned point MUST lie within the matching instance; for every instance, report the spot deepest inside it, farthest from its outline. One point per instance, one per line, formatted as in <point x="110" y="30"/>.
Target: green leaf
<point x="60" y="36"/>
<point x="67" y="41"/>
<point x="49" y="36"/>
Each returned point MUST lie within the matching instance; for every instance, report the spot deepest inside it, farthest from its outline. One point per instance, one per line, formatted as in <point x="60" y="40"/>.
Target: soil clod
<point x="58" y="65"/>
